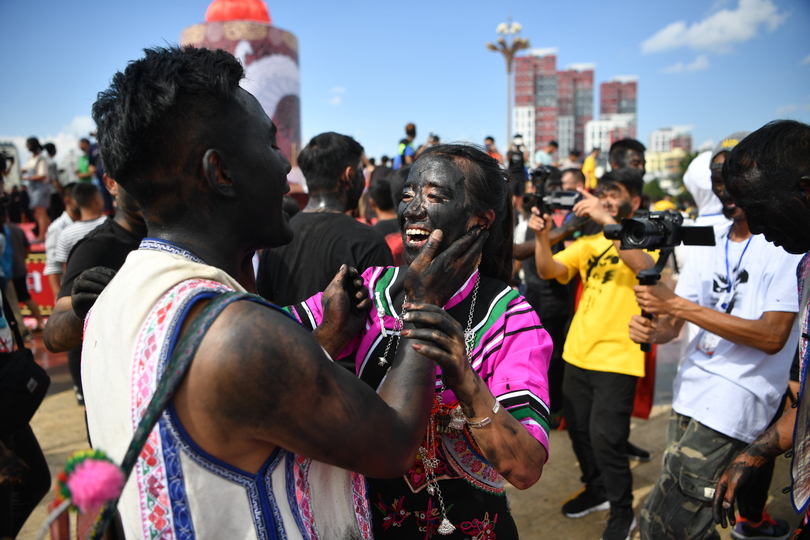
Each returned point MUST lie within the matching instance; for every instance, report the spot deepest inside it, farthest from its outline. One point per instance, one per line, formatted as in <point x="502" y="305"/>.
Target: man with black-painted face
<point x="603" y="364"/>
<point x="324" y="237"/>
<point x="628" y="153"/>
<point x="741" y="295"/>
<point x="768" y="176"/>
<point x="260" y="436"/>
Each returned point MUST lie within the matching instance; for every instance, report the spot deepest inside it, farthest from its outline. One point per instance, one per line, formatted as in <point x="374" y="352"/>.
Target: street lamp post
<point x="508" y="44"/>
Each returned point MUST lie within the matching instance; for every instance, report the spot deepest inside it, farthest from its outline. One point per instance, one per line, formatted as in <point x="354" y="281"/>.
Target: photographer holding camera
<point x="603" y="364"/>
<point x="741" y="293"/>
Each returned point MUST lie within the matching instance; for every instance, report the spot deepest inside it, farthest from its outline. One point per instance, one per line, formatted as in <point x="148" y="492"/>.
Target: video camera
<point x="658" y="230"/>
<point x="558" y="199"/>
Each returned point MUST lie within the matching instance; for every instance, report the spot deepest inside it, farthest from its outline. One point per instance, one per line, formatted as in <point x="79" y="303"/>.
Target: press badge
<point x="708" y="342"/>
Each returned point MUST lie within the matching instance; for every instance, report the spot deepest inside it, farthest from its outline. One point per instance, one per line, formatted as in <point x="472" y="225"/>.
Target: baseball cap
<point x="728" y="143"/>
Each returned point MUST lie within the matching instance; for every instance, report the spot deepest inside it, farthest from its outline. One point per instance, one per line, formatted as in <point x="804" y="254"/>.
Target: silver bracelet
<point x="487" y="420"/>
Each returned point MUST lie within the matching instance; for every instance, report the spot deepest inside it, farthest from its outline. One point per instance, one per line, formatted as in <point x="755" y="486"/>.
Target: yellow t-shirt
<point x="599" y="338"/>
<point x="589" y="170"/>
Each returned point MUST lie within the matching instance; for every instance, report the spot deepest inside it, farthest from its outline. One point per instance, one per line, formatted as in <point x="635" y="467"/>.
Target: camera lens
<point x="638" y="233"/>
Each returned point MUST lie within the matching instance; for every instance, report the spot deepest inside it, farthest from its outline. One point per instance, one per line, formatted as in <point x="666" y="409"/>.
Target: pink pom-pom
<point x="93" y="483"/>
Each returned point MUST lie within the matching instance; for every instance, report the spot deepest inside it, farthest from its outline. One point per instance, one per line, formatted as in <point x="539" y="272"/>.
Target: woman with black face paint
<point x="489" y="421"/>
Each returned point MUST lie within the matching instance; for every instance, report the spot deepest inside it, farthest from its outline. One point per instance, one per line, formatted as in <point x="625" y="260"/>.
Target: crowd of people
<point x="418" y="327"/>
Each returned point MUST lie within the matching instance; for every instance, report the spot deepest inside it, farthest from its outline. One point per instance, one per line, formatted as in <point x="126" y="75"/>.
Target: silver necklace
<point x="429" y="458"/>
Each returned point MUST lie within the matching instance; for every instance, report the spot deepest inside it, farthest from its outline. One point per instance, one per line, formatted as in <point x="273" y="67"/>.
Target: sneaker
<point x="583" y="504"/>
<point x="637" y="454"/>
<point x="621" y="525"/>
<point x="767" y="529"/>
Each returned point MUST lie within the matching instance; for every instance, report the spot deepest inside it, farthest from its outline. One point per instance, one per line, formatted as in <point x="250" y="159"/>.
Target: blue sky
<point x="368" y="68"/>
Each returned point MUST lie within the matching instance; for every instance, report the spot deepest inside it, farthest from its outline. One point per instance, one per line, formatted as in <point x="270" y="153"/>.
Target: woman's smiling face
<point x="434" y="197"/>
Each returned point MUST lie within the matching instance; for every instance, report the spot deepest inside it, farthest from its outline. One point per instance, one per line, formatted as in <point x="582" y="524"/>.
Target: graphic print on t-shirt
<point x="603" y="270"/>
<point x="730" y="292"/>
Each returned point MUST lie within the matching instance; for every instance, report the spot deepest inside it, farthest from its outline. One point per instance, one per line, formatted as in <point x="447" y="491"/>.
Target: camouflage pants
<point x="679" y="506"/>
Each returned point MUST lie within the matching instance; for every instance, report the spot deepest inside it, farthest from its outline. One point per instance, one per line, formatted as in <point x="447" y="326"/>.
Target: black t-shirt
<point x="549" y="298"/>
<point x="380" y="172"/>
<point x="322" y="242"/>
<point x="106" y="245"/>
<point x="386" y="227"/>
<point x="516" y="162"/>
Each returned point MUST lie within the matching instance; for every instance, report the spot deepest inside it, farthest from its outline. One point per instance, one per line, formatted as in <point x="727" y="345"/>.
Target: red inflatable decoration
<point x="238" y="10"/>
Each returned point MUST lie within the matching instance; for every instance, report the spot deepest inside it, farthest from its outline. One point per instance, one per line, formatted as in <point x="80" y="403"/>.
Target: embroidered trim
<point x="249" y="482"/>
<point x="157" y="519"/>
<point x="167" y="247"/>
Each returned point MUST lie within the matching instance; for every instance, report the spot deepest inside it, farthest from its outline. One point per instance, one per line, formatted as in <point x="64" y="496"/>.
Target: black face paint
<point x="434" y="197"/>
<point x="779" y="211"/>
<point x="625" y="210"/>
<point x="730" y="210"/>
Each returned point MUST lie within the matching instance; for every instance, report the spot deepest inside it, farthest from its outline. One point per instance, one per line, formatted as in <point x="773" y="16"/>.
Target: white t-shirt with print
<point x="736" y="390"/>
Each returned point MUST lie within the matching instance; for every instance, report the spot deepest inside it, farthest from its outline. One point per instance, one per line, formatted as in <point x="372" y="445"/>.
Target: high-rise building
<point x="670" y="138"/>
<point x="618" y="95"/>
<point x="574" y="106"/>
<point x="617" y="115"/>
<point x="550" y="104"/>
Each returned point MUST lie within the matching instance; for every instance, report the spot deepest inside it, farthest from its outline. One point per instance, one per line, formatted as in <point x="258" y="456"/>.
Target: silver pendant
<point x="431" y="489"/>
<point x="457" y="419"/>
<point x="381" y="361"/>
<point x="446" y="527"/>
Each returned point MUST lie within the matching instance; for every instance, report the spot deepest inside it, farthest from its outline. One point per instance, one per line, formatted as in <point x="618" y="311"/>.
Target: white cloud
<point x="336" y="98"/>
<point x="787" y="111"/>
<point x="700" y="63"/>
<point x="805" y="61"/>
<point x="720" y="31"/>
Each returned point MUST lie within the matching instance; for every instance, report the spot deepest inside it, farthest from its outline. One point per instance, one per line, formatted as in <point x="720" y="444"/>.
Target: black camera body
<point x="562" y="200"/>
<point x="557" y="199"/>
<point x="658" y="230"/>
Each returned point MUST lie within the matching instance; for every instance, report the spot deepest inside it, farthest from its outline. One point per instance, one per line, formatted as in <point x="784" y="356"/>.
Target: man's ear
<point x="111" y="185"/>
<point x="216" y="174"/>
<point x="635" y="202"/>
<point x="347" y="179"/>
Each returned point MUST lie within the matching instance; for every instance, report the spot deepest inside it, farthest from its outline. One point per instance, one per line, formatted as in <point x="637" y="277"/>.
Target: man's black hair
<point x="776" y="153"/>
<point x="619" y="149"/>
<point x="50" y="148"/>
<point x="325" y="158"/>
<point x="84" y="140"/>
<point x="630" y="178"/>
<point x="68" y="189"/>
<point x="85" y="194"/>
<point x="553" y="143"/>
<point x="384" y="160"/>
<point x="489" y="138"/>
<point x="380" y="193"/>
<point x="33" y="141"/>
<point x="576" y="172"/>
<point x="158" y="111"/>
